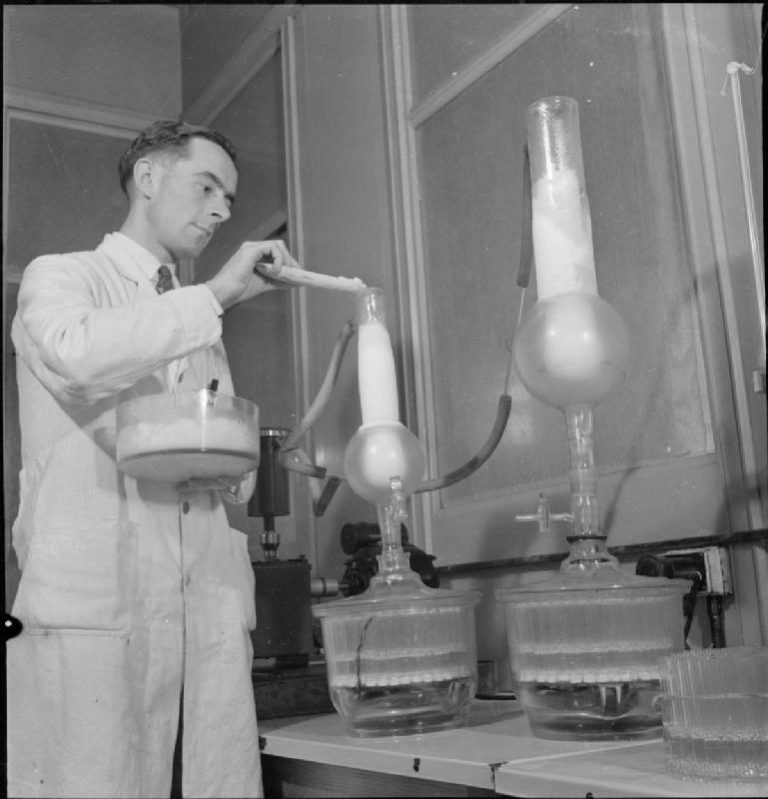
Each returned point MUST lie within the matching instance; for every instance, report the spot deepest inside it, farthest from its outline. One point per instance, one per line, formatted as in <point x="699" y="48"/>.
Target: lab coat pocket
<point x="246" y="582"/>
<point x="79" y="578"/>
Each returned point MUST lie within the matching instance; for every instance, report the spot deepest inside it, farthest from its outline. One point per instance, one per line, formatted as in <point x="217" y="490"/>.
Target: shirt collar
<point x="147" y="262"/>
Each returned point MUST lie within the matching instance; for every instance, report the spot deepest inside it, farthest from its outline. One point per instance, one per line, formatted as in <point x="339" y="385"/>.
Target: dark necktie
<point x="164" y="280"/>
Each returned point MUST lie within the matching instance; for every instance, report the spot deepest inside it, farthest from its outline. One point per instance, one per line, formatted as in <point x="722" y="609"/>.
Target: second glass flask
<point x="401" y="656"/>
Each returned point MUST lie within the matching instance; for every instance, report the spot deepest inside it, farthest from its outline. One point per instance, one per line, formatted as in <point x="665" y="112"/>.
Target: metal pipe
<point x="626" y="551"/>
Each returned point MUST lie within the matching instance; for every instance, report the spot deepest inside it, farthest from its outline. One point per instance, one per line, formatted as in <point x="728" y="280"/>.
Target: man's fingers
<point x="280" y="254"/>
<point x="207" y="484"/>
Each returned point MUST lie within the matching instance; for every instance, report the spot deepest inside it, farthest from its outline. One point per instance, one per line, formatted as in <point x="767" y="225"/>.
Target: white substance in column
<point x="376" y="374"/>
<point x="562" y="236"/>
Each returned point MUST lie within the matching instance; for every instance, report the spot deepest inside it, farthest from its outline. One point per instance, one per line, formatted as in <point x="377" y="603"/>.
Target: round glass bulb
<point x="571" y="349"/>
<point x="379" y="452"/>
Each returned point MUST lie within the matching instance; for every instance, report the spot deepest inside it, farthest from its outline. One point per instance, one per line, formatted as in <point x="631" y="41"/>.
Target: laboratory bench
<point x="492" y="754"/>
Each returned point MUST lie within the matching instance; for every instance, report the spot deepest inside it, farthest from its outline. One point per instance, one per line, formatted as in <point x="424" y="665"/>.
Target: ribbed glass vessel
<point x="401" y="662"/>
<point x="401" y="657"/>
<point x="585" y="648"/>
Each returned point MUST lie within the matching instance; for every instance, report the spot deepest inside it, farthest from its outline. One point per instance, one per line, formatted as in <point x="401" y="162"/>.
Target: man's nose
<point x="221" y="209"/>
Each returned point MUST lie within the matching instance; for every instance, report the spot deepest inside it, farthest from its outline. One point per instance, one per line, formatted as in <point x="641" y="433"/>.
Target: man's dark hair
<point x="170" y="136"/>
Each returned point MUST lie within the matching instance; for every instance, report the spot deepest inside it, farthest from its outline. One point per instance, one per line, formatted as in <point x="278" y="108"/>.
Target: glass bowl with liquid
<point x="192" y="434"/>
<point x="401" y="657"/>
<point x="585" y="651"/>
<point x="715" y="714"/>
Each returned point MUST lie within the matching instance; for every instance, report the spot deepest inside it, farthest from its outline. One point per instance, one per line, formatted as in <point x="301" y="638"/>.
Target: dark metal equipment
<point x="271" y="497"/>
<point x="285" y="682"/>
<point x="283" y="612"/>
<point x="362" y="541"/>
<point x="284" y="618"/>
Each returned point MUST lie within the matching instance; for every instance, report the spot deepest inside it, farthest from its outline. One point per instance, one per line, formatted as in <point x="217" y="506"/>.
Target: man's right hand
<point x="238" y="280"/>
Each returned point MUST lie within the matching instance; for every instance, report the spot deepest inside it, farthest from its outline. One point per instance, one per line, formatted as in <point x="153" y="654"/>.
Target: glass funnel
<point x="585" y="647"/>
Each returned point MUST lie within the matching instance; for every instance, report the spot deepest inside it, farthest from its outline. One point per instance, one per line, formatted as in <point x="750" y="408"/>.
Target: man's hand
<point x="238" y="280"/>
<point x="234" y="490"/>
<point x="208" y="484"/>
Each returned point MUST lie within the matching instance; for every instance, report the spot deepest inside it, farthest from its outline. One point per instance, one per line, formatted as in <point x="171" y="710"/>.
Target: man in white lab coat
<point x="136" y="596"/>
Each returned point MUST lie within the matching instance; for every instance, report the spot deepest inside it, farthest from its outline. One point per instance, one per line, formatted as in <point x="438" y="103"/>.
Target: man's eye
<point x="206" y="187"/>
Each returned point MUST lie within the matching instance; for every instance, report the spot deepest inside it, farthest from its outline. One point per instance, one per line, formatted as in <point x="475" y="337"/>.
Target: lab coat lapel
<point x="127" y="266"/>
<point x="131" y="270"/>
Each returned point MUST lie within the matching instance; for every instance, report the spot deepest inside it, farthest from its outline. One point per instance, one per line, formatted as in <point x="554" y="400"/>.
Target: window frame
<point x="483" y="530"/>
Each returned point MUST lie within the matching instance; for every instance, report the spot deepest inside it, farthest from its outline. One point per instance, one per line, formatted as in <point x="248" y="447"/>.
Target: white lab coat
<point x="126" y="592"/>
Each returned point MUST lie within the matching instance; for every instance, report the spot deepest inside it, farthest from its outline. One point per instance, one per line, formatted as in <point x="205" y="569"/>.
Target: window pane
<point x="447" y="39"/>
<point x="253" y="122"/>
<point x="63" y="189"/>
<point x="609" y="58"/>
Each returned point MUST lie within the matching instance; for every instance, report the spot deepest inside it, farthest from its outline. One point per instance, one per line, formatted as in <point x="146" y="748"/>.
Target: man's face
<point x="193" y="196"/>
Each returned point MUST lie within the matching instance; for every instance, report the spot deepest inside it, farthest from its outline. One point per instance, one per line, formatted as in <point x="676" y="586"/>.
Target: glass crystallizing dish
<point x="717" y="672"/>
<point x="585" y="649"/>
<point x="192" y="434"/>
<point x="715" y="715"/>
<point x="401" y="657"/>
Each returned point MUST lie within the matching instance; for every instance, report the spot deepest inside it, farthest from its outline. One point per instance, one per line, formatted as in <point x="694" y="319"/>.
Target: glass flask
<point x="382" y="446"/>
<point x="401" y="656"/>
<point x="585" y="647"/>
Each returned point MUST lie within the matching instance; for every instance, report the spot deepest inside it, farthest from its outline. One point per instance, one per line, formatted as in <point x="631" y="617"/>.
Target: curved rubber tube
<point x="473" y="464"/>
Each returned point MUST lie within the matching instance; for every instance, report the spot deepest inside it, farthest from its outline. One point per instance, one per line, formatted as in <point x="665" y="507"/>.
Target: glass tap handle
<point x="543" y="515"/>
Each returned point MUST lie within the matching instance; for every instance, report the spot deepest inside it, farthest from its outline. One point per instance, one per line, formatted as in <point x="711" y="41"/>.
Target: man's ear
<point x="145" y="175"/>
